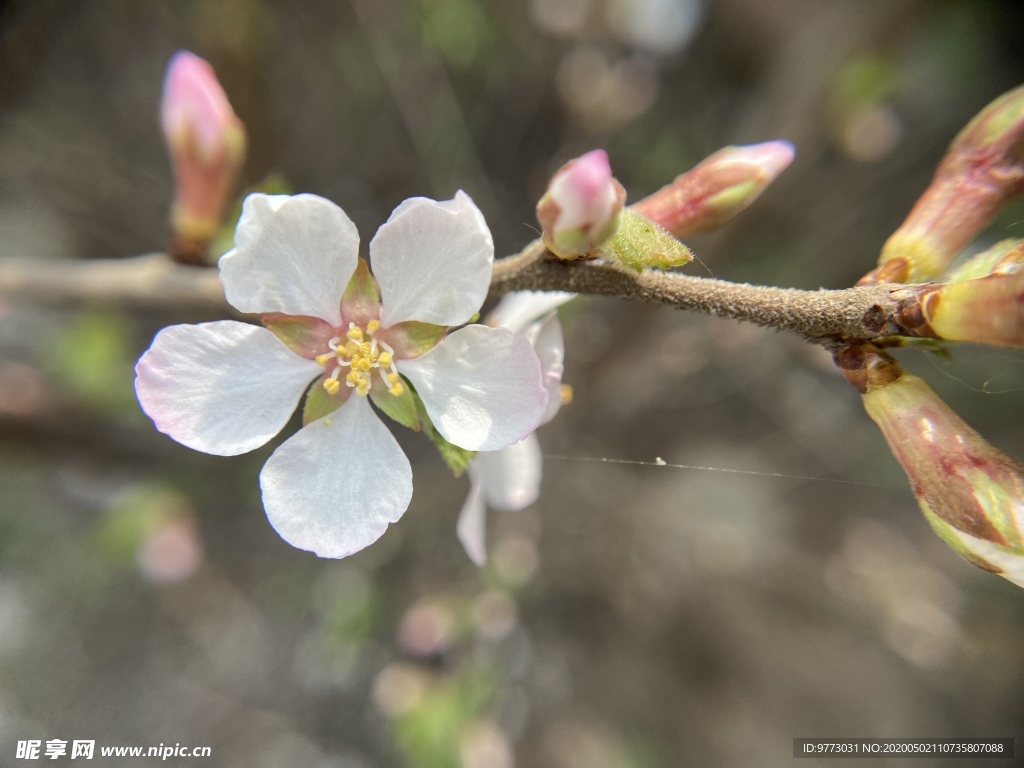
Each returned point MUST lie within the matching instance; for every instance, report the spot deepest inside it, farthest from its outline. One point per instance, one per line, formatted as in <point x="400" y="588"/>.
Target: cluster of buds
<point x="582" y="215"/>
<point x="207" y="147"/>
<point x="971" y="493"/>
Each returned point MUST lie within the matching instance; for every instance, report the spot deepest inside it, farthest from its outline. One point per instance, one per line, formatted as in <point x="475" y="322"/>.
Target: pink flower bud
<point x="982" y="171"/>
<point x="581" y="207"/>
<point x="207" y="146"/>
<point x="718" y="189"/>
<point x="971" y="493"/>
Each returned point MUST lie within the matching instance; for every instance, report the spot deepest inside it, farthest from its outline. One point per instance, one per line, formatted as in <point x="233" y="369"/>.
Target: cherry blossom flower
<point x="228" y="387"/>
<point x="509" y="479"/>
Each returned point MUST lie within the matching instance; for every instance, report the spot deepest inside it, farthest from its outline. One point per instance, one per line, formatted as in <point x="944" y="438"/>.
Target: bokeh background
<point x="636" y="616"/>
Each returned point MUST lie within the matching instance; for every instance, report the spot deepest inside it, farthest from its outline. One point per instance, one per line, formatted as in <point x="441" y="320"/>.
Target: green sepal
<point x="639" y="242"/>
<point x="320" y="402"/>
<point x="305" y="336"/>
<point x="402" y="408"/>
<point x="361" y="300"/>
<point x="456" y="458"/>
<point x="412" y="338"/>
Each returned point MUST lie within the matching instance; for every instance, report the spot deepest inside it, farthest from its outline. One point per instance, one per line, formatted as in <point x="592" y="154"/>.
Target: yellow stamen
<point x="566" y="393"/>
<point x="361" y="354"/>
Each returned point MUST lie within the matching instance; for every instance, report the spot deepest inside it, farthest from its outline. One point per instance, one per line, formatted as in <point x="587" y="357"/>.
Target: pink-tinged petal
<point x="336" y="485"/>
<point x="481" y="387"/>
<point x="472" y="525"/>
<point x="293" y="255"/>
<point x="223" y="388"/>
<point x="550" y="347"/>
<point x="511" y="477"/>
<point x="433" y="261"/>
<point x="517" y="310"/>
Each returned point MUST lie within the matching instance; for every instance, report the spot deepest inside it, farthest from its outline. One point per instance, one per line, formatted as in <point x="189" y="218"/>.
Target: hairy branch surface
<point x="155" y="282"/>
<point x="821" y="316"/>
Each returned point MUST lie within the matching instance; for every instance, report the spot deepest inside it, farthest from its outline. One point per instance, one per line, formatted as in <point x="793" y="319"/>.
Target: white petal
<point x="472" y="525"/>
<point x="481" y="387"/>
<point x="222" y="388"/>
<point x="511" y="477"/>
<point x="517" y="310"/>
<point x="433" y="261"/>
<point x="550" y="347"/>
<point x="292" y="254"/>
<point x="335" y="486"/>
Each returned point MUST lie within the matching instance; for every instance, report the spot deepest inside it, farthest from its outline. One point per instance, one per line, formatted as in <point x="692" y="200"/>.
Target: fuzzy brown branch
<point x="821" y="316"/>
<point x="154" y="282"/>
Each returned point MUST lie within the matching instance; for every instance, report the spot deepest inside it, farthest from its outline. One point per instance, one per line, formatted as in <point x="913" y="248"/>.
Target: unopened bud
<point x="718" y="189"/>
<point x="971" y="493"/>
<point x="207" y="146"/>
<point x="982" y="171"/>
<point x="1003" y="258"/>
<point x="987" y="310"/>
<point x="581" y="207"/>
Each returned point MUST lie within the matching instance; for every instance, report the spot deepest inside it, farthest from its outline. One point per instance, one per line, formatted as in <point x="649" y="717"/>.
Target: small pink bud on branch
<point x="971" y="493"/>
<point x="207" y="147"/>
<point x="982" y="171"/>
<point x="718" y="189"/>
<point x="581" y="207"/>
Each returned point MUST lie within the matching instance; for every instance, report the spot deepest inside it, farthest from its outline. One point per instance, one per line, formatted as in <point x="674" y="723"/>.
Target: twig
<point x="821" y="316"/>
<point x="154" y="282"/>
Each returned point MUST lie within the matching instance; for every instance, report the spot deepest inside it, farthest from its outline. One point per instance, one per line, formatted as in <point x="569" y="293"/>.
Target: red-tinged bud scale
<point x="718" y="189"/>
<point x="971" y="493"/>
<point x="982" y="171"/>
<point x="207" y="147"/>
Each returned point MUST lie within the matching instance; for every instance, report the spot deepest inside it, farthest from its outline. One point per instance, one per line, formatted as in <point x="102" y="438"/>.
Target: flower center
<point x="361" y="352"/>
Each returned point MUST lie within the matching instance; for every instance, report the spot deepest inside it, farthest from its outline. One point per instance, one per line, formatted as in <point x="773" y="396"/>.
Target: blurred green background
<point x="637" y="616"/>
